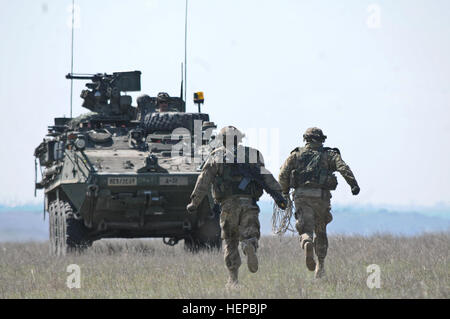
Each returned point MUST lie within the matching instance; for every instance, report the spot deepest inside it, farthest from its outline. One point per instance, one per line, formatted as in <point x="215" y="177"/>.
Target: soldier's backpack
<point x="312" y="170"/>
<point x="230" y="182"/>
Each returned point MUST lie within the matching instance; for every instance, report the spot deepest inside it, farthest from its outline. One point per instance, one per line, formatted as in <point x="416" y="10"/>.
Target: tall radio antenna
<point x="185" y="50"/>
<point x="71" y="62"/>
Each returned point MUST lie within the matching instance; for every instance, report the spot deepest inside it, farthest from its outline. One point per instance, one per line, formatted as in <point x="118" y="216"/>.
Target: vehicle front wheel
<point x="207" y="235"/>
<point x="67" y="234"/>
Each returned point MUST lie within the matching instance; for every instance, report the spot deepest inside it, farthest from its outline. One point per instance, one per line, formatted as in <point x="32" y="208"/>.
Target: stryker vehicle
<point x="126" y="172"/>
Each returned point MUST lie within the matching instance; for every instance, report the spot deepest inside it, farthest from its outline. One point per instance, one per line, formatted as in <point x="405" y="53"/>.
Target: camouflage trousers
<point x="312" y="215"/>
<point x="239" y="223"/>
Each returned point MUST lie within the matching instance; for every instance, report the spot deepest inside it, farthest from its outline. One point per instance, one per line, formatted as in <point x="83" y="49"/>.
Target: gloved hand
<point x="355" y="190"/>
<point x="191" y="208"/>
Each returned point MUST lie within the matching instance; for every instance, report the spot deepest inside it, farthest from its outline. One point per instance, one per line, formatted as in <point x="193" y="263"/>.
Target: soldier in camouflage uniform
<point x="162" y="102"/>
<point x="144" y="106"/>
<point x="239" y="211"/>
<point x="309" y="170"/>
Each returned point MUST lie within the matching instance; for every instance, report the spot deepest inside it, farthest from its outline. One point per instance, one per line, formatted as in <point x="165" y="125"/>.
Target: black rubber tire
<point x="77" y="235"/>
<point x="53" y="229"/>
<point x="207" y="235"/>
<point x="171" y="120"/>
<point x="67" y="234"/>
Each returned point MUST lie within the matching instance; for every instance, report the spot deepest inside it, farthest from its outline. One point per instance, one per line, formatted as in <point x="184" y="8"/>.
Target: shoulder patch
<point x="337" y="150"/>
<point x="334" y="150"/>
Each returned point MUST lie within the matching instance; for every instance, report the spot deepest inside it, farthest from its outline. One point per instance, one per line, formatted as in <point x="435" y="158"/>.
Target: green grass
<point x="411" y="267"/>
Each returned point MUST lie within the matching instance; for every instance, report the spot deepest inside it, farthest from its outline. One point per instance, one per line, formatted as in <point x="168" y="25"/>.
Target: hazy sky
<point x="374" y="75"/>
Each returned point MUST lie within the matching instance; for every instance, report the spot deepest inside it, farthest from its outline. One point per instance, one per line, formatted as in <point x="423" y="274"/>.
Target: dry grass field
<point x="410" y="267"/>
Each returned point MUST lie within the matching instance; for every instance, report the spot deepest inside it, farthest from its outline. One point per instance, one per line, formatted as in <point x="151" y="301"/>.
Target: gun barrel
<point x="72" y="76"/>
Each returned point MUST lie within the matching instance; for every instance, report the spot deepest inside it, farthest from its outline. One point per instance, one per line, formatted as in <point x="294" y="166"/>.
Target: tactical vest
<point x="312" y="169"/>
<point x="227" y="183"/>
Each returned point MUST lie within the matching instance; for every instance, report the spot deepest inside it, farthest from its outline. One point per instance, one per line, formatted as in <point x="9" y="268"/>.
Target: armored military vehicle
<point x="125" y="172"/>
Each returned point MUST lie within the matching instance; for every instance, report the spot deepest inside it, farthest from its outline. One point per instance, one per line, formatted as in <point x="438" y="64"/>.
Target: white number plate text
<point x="173" y="180"/>
<point x="122" y="181"/>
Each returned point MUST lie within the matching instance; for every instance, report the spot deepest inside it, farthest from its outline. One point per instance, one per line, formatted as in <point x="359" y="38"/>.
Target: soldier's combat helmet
<point x="314" y="134"/>
<point x="229" y="132"/>
<point x="162" y="97"/>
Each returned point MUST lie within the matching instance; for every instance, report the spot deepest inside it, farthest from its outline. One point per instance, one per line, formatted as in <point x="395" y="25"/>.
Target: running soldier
<point x="309" y="170"/>
<point x="238" y="178"/>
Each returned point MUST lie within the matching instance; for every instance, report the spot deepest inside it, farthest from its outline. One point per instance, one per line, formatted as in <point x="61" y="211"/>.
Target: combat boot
<point x="232" y="279"/>
<point x="309" y="253"/>
<point x="252" y="259"/>
<point x="320" y="269"/>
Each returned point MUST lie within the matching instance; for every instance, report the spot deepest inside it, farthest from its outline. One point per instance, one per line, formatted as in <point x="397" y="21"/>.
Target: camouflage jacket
<point x="213" y="170"/>
<point x="331" y="160"/>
